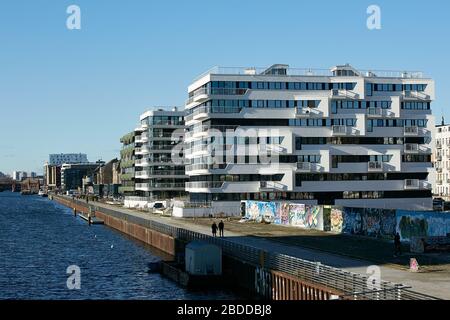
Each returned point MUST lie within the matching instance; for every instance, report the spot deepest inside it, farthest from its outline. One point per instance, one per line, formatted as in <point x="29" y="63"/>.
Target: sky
<point x="66" y="91"/>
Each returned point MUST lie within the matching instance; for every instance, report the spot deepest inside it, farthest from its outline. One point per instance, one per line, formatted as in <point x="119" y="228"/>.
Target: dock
<point x="94" y="220"/>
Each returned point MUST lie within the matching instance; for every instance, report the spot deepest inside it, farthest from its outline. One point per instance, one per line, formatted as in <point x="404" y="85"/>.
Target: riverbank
<point x="433" y="284"/>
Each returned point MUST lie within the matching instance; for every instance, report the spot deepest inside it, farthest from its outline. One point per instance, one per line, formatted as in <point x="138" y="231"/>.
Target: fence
<point x="354" y="286"/>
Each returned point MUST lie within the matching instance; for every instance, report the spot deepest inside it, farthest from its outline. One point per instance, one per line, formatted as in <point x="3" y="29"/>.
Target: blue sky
<point x="80" y="90"/>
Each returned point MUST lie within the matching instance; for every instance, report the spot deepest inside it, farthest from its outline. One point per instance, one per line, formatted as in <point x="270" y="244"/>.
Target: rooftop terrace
<point x="285" y="70"/>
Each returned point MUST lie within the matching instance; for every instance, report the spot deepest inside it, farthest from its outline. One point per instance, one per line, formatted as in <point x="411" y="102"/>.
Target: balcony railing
<point x="411" y="130"/>
<point x="307" y="112"/>
<point x="340" y="130"/>
<point x="147" y="173"/>
<point x="204" y="185"/>
<point x="347" y="94"/>
<point x="416" y="95"/>
<point x="374" y="112"/>
<point x="375" y="166"/>
<point x="203" y="129"/>
<point x="411" y="148"/>
<point x="202" y="166"/>
<point x="412" y="184"/>
<point x="309" y="72"/>
<point x="204" y="112"/>
<point x="271" y="186"/>
<point x="162" y="185"/>
<point x="304" y="166"/>
<point x="201" y="95"/>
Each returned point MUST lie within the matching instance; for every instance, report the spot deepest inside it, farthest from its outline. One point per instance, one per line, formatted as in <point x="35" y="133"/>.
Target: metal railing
<point x="352" y="285"/>
<point x="310" y="72"/>
<point x="212" y="110"/>
<point x="157" y="185"/>
<point x="411" y="147"/>
<point x="216" y="91"/>
<point x="205" y="184"/>
<point x="411" y="130"/>
<point x="375" y="166"/>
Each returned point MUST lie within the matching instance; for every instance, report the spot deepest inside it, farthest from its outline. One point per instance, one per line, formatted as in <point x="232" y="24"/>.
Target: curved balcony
<point x="159" y="186"/>
<point x="201" y="95"/>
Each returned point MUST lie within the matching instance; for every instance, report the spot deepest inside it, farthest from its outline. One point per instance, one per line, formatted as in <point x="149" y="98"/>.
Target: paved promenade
<point x="436" y="283"/>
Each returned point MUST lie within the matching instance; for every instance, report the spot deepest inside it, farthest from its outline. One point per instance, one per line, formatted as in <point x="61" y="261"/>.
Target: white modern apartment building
<point x="19" y="175"/>
<point x="332" y="137"/>
<point x="69" y="158"/>
<point x="158" y="176"/>
<point x="442" y="161"/>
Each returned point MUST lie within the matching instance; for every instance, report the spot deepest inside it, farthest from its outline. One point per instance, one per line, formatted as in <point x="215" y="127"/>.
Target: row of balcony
<point x="146" y="174"/>
<point x="305" y="167"/>
<point x="202" y="95"/>
<point x="275" y="186"/>
<point x="158" y="186"/>
<point x="337" y="130"/>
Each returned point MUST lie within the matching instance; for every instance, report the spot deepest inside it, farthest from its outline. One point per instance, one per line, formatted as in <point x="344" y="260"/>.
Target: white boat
<point x="42" y="193"/>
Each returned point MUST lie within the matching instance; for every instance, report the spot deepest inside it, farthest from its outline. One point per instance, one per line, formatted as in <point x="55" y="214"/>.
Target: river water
<point x="40" y="239"/>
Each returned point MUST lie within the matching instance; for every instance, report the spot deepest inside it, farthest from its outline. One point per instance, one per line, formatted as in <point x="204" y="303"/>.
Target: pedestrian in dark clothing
<point x="397" y="245"/>
<point x="221" y="227"/>
<point x="214" y="229"/>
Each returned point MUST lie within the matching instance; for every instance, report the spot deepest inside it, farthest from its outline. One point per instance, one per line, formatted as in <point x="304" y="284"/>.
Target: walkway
<point x="432" y="283"/>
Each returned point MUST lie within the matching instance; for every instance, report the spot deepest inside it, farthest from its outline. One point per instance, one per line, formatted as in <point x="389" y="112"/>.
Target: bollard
<point x="75" y="211"/>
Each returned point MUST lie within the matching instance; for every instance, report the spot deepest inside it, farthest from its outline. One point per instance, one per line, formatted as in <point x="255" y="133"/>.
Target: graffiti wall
<point x="380" y="223"/>
<point x="361" y="221"/>
<point x="336" y="220"/>
<point x="422" y="224"/>
<point x="282" y="213"/>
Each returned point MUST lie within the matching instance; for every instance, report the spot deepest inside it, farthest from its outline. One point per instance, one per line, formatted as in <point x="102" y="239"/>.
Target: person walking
<point x="397" y="245"/>
<point x="221" y="228"/>
<point x="214" y="229"/>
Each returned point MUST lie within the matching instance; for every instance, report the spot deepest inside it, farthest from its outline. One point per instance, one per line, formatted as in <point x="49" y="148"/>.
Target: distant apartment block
<point x="59" y="159"/>
<point x="52" y="177"/>
<point x="331" y="137"/>
<point x="19" y="175"/>
<point x="72" y="174"/>
<point x="442" y="161"/>
<point x="147" y="161"/>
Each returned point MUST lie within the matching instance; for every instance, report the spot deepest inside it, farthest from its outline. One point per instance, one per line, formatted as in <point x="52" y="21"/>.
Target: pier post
<point x="75" y="211"/>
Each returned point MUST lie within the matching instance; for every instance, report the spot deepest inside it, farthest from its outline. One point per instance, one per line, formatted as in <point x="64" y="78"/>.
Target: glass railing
<point x="205" y="184"/>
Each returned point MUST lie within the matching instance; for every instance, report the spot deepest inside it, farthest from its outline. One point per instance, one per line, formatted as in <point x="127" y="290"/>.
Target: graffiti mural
<point x="312" y="216"/>
<point x="422" y="224"/>
<point x="352" y="221"/>
<point x="283" y="214"/>
<point x="298" y="215"/>
<point x="336" y="220"/>
<point x="368" y="222"/>
<point x="381" y="223"/>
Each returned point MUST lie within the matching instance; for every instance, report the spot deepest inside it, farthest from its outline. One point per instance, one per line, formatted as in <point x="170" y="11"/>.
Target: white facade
<point x="59" y="159"/>
<point x="339" y="137"/>
<point x="19" y="175"/>
<point x="442" y="162"/>
<point x="158" y="176"/>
